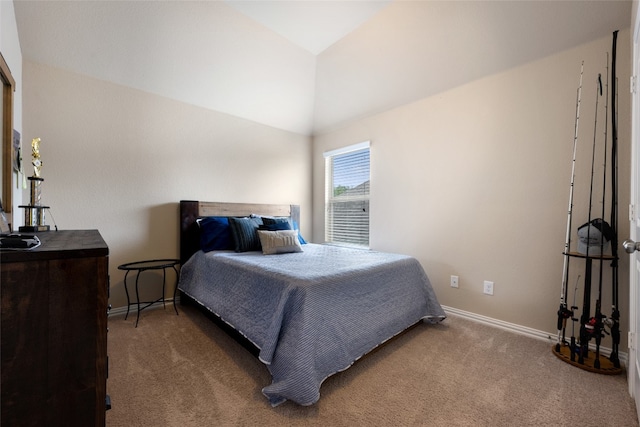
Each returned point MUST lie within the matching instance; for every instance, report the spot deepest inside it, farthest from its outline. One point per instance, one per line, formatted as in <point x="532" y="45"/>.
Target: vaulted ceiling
<point x="305" y="66"/>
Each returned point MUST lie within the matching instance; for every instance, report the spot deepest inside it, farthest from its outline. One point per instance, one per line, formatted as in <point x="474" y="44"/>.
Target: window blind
<point x="347" y="172"/>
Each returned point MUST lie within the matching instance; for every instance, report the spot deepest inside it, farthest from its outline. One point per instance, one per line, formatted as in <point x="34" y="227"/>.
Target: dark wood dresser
<point x="53" y="331"/>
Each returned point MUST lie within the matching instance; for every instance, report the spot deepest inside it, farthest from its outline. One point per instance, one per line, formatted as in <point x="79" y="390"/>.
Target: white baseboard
<point x="122" y="311"/>
<point x="523" y="330"/>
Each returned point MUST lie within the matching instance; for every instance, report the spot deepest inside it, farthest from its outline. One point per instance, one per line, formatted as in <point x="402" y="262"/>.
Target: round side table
<point x="139" y="267"/>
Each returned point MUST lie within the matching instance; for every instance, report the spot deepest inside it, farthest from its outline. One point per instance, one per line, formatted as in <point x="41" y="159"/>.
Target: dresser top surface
<point x="60" y="244"/>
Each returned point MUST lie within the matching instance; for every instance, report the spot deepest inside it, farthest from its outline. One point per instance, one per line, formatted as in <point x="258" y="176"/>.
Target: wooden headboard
<point x="191" y="210"/>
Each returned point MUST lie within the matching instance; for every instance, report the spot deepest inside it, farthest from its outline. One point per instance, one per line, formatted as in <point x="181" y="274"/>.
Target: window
<point x="347" y="195"/>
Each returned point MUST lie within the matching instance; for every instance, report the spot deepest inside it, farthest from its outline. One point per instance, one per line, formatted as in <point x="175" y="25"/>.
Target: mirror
<point x="6" y="185"/>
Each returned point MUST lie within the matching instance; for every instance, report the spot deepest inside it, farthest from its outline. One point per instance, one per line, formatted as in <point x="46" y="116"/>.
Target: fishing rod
<point x="585" y="325"/>
<point x="615" y="313"/>
<point x="598" y="328"/>
<point x="563" y="312"/>
<point x="573" y="322"/>
<point x="599" y="317"/>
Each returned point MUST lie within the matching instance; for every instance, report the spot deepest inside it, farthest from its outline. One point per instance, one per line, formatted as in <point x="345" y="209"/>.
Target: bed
<point x="309" y="310"/>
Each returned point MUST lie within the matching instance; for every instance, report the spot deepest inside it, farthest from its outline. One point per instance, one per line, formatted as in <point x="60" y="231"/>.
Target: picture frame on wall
<point x="16" y="152"/>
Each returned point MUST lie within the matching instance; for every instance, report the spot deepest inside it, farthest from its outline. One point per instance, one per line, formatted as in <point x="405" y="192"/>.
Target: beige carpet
<point x="184" y="371"/>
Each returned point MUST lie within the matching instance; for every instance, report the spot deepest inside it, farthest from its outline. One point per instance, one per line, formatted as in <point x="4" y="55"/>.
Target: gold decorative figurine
<point x="35" y="154"/>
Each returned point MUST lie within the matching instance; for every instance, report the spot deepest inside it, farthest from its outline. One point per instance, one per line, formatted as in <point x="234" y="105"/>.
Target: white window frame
<point x="345" y="238"/>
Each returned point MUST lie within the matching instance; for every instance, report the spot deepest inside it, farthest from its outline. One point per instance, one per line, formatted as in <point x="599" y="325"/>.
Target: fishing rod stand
<point x="580" y="354"/>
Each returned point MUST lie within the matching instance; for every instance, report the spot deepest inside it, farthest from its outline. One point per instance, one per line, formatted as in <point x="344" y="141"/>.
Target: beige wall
<point x="475" y="182"/>
<point x="119" y="160"/>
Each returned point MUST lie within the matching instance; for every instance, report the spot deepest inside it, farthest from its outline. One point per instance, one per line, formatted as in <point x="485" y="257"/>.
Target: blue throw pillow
<point x="215" y="234"/>
<point x="276" y="226"/>
<point x="244" y="232"/>
<point x="277" y="223"/>
<point x="300" y="238"/>
<point x="282" y="223"/>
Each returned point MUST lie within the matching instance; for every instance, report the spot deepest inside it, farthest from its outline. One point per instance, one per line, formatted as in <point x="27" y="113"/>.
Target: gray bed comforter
<point x="314" y="313"/>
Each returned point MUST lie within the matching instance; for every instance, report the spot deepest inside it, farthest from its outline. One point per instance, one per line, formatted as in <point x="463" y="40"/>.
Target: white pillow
<point x="279" y="242"/>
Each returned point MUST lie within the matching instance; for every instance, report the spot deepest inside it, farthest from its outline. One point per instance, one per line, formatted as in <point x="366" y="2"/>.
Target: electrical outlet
<point x="488" y="287"/>
<point x="454" y="281"/>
